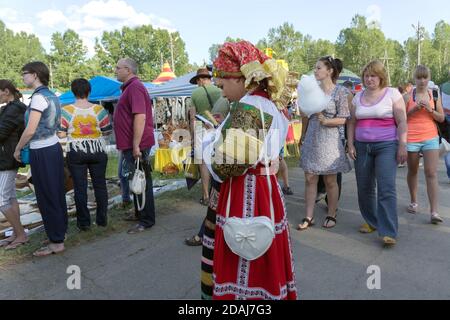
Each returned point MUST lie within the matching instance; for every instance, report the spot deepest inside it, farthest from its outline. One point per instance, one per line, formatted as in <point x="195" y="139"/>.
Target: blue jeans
<point x="376" y="170"/>
<point x="124" y="184"/>
<point x="447" y="157"/>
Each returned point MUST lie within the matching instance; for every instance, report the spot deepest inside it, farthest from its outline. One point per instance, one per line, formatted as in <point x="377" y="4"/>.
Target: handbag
<point x="250" y="238"/>
<point x="25" y="152"/>
<point x="25" y="155"/>
<point x="138" y="184"/>
<point x="444" y="147"/>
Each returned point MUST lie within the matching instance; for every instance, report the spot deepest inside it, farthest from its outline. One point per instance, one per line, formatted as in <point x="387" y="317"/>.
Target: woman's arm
<point x="399" y="109"/>
<point x="438" y="114"/>
<point x="29" y="132"/>
<point x="351" y="125"/>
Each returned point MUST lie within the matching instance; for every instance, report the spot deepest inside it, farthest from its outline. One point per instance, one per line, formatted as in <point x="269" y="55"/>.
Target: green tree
<point x="360" y="44"/>
<point x="214" y="49"/>
<point x="289" y="45"/>
<point x="441" y="43"/>
<point x="150" y="47"/>
<point x="68" y="58"/>
<point x="17" y="49"/>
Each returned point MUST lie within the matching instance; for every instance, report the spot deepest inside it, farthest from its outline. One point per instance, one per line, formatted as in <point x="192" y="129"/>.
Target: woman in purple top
<point x="377" y="142"/>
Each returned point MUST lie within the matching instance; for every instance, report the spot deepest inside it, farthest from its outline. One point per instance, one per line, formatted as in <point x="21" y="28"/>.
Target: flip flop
<point x="5" y="243"/>
<point x="14" y="245"/>
<point x="46" y="251"/>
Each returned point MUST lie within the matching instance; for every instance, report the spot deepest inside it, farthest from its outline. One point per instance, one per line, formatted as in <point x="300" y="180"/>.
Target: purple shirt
<point x="134" y="100"/>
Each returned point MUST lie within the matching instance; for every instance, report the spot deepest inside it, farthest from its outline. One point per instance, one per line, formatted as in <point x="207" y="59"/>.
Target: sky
<point x="202" y="23"/>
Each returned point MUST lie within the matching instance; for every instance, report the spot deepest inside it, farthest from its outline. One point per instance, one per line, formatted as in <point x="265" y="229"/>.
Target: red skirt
<point x="270" y="277"/>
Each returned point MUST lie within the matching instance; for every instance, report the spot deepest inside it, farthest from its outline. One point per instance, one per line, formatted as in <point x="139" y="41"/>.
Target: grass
<point x="167" y="203"/>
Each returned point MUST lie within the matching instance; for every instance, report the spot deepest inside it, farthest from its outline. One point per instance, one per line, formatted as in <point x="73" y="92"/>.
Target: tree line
<point x="150" y="47"/>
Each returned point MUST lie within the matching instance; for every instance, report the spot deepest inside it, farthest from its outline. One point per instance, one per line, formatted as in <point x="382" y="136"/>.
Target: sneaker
<point x="436" y="218"/>
<point x="287" y="191"/>
<point x="413" y="208"/>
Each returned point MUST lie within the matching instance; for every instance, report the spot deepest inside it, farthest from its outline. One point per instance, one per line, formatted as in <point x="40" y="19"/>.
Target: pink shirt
<point x="134" y="100"/>
<point x="376" y="123"/>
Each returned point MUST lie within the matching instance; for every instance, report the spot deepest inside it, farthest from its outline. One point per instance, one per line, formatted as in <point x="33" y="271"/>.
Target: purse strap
<point x="269" y="184"/>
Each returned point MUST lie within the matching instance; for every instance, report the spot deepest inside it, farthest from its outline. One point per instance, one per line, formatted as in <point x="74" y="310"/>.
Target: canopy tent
<point x="179" y="87"/>
<point x="102" y="89"/>
<point x="347" y="75"/>
<point x="166" y="75"/>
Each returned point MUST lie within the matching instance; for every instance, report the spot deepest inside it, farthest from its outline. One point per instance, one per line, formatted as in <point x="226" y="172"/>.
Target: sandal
<point x="436" y="218"/>
<point x="204" y="202"/>
<point x="6" y="242"/>
<point x="195" y="241"/>
<point x="388" y="241"/>
<point x="14" y="245"/>
<point x="46" y="251"/>
<point x="366" y="228"/>
<point x="327" y="221"/>
<point x="413" y="208"/>
<point x="309" y="223"/>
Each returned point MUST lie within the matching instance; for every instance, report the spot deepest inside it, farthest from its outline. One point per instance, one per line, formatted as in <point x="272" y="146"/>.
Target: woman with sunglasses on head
<point x="46" y="155"/>
<point x="423" y="113"/>
<point x="322" y="152"/>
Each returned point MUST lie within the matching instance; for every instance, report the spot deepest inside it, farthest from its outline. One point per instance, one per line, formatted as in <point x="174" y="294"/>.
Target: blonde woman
<point x="377" y="143"/>
<point x="423" y="111"/>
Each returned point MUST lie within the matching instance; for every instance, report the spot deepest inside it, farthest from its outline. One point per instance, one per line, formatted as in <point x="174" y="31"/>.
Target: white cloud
<point x="11" y="19"/>
<point x="52" y="18"/>
<point x="88" y="20"/>
<point x="374" y="15"/>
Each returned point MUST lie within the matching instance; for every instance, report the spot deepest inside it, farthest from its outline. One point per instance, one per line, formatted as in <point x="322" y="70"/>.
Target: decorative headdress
<point x="243" y="59"/>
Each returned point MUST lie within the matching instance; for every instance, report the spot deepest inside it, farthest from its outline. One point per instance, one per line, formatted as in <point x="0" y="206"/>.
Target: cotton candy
<point x="311" y="98"/>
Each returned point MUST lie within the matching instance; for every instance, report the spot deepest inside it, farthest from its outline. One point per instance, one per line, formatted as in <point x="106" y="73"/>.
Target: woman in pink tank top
<point x="377" y="143"/>
<point x="423" y="113"/>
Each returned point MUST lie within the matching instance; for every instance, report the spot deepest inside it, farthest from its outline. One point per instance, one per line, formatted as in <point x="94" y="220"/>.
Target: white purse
<point x="250" y="238"/>
<point x="444" y="148"/>
<point x="138" y="184"/>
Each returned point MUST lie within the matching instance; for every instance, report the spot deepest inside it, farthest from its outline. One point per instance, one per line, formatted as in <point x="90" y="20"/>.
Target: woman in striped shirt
<point x="377" y="142"/>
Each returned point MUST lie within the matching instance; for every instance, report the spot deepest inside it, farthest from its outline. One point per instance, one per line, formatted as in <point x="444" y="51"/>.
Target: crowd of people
<point x="245" y="236"/>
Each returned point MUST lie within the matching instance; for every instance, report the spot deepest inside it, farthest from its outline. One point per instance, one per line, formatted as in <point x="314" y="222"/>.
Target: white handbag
<point x="138" y="184"/>
<point x="444" y="148"/>
<point x="250" y="238"/>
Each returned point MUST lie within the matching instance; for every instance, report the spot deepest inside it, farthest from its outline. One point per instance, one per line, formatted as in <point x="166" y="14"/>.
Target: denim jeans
<point x="79" y="163"/>
<point x="124" y="184"/>
<point x="376" y="171"/>
<point x="147" y="215"/>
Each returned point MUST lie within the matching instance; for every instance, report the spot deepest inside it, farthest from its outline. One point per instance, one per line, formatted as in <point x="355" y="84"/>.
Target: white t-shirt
<point x="39" y="103"/>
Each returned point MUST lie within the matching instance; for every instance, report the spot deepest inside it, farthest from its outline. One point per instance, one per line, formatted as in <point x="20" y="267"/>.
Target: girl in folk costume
<point x="250" y="191"/>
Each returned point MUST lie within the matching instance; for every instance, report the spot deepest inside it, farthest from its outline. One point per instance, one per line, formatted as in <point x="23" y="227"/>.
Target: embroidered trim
<point x="250" y="293"/>
<point x="208" y="242"/>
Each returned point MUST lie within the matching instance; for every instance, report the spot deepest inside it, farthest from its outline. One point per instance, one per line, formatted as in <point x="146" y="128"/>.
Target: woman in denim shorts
<point x="424" y="111"/>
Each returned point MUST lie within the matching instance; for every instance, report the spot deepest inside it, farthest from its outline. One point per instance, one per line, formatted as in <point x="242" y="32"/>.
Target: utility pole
<point x="171" y="51"/>
<point x="385" y="60"/>
<point x="51" y="76"/>
<point x="420" y="32"/>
